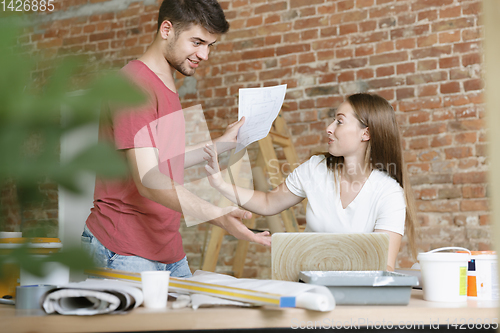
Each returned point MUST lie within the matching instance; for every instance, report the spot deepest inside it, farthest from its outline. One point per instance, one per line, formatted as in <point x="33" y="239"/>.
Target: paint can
<point x="444" y="275"/>
<point x="39" y="248"/>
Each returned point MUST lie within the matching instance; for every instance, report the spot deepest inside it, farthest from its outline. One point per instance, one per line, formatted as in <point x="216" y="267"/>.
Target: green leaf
<point x="67" y="179"/>
<point x="27" y="261"/>
<point x="91" y="159"/>
<point x="115" y="88"/>
<point x="72" y="257"/>
<point x="60" y="79"/>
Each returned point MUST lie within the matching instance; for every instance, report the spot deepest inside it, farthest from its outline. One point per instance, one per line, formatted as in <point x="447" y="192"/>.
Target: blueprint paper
<point x="260" y="106"/>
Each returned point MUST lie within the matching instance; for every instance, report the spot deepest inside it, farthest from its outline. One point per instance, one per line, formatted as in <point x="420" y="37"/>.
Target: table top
<point x="416" y="314"/>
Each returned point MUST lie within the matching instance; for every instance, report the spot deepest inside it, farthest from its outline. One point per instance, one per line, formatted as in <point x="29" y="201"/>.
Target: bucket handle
<point x="450" y="248"/>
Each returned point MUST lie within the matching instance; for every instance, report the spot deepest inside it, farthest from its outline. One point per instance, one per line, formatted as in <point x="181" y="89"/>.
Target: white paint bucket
<point x="444" y="275"/>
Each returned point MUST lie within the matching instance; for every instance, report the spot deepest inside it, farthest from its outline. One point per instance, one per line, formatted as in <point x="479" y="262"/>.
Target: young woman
<point x="360" y="185"/>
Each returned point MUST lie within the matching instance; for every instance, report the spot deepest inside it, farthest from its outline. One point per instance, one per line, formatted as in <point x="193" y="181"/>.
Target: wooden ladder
<point x="280" y="136"/>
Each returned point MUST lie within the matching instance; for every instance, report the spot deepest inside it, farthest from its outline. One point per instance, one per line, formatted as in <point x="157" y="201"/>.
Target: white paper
<point x="199" y="300"/>
<point x="308" y="296"/>
<point x="105" y="296"/>
<point x="260" y="106"/>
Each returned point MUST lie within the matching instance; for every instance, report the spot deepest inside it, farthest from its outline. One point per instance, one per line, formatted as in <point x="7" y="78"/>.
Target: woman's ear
<point x="166" y="28"/>
<point x="366" y="135"/>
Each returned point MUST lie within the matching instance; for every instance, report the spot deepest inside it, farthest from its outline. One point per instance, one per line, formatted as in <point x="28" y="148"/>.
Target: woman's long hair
<point x="384" y="151"/>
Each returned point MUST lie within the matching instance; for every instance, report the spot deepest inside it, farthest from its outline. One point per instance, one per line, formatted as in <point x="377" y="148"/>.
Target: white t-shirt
<point x="380" y="203"/>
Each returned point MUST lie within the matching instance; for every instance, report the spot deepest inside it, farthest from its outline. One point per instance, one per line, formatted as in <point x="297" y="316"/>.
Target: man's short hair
<point x="184" y="13"/>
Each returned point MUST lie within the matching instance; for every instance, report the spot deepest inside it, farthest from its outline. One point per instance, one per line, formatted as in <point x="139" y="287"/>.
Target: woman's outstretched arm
<point x="262" y="203"/>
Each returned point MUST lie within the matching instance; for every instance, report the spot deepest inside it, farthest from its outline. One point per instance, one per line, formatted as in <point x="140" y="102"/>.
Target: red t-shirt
<point x="122" y="220"/>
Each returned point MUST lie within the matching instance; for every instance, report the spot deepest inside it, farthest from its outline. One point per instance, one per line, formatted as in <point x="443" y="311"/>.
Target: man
<point x="134" y="224"/>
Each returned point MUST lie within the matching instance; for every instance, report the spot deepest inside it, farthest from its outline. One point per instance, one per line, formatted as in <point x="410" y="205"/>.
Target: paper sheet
<point x="260" y="106"/>
<point x="198" y="300"/>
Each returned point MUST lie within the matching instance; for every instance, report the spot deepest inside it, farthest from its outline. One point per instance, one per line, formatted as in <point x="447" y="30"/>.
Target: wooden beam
<point x="491" y="14"/>
<point x="213" y="249"/>
<point x="280" y="140"/>
<point x="241" y="251"/>
<point x="217" y="235"/>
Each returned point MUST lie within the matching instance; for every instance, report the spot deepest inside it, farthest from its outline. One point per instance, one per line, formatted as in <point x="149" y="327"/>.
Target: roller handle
<point x="449" y="248"/>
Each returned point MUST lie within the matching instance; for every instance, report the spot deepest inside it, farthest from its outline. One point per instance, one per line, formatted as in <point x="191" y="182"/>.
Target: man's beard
<point x="181" y="68"/>
<point x="179" y="65"/>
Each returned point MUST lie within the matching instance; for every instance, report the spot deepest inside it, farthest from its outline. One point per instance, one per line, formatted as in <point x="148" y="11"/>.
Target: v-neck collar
<point x="352" y="203"/>
<point x="156" y="76"/>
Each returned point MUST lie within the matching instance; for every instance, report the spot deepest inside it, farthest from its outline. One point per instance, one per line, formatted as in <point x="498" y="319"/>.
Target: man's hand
<point x="231" y="222"/>
<point x="194" y="153"/>
<point x="231" y="133"/>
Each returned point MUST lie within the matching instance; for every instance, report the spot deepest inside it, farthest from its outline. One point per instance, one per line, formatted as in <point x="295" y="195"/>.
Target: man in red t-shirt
<point x="134" y="224"/>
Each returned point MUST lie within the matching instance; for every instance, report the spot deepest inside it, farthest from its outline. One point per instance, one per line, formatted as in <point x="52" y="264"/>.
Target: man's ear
<point x="366" y="135"/>
<point x="166" y="28"/>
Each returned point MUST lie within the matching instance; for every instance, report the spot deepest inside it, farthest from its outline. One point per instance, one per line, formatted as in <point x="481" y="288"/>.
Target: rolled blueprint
<point x="312" y="301"/>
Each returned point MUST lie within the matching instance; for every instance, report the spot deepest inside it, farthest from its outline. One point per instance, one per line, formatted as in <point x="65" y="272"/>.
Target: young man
<point x="134" y="224"/>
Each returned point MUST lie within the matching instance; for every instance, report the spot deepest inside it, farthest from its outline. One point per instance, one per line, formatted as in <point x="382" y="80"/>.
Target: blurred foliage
<point x="34" y="117"/>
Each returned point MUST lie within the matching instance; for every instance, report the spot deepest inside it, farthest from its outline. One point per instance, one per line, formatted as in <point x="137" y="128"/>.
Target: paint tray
<point x="364" y="287"/>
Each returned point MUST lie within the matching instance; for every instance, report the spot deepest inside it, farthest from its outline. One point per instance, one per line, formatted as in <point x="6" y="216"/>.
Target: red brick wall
<point x="424" y="56"/>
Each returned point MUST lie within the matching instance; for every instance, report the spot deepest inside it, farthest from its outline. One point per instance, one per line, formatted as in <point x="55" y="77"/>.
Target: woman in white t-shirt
<point x="360" y="185"/>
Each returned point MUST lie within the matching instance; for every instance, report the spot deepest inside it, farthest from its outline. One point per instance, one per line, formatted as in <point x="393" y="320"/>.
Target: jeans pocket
<point x="87" y="237"/>
<point x="180" y="269"/>
<point x="111" y="255"/>
<point x="86" y="242"/>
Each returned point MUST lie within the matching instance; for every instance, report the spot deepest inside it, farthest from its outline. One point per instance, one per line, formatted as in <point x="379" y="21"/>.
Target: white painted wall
<point x="75" y="208"/>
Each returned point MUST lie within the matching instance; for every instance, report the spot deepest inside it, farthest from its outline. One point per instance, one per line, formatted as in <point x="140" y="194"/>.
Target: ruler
<point x="181" y="285"/>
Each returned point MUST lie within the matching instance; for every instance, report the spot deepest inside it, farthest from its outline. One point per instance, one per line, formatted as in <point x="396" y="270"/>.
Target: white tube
<point x="313" y="301"/>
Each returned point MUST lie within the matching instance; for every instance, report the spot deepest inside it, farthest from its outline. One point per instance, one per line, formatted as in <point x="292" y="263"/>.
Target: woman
<point x="360" y="185"/>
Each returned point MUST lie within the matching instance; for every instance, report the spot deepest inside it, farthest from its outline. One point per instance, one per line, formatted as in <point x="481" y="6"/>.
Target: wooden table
<point x="417" y="314"/>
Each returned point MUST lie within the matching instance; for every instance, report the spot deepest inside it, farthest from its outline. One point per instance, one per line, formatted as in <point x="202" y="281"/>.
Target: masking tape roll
<point x="30" y="297"/>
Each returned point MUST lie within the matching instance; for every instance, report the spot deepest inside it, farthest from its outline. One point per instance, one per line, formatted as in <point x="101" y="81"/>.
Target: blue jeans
<point x="106" y="258"/>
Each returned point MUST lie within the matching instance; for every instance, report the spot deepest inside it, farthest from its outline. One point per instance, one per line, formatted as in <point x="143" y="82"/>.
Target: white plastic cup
<point x="444" y="275"/>
<point x="155" y="288"/>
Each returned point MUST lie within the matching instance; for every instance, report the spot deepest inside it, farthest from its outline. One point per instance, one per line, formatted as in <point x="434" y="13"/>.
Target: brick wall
<point x="424" y="56"/>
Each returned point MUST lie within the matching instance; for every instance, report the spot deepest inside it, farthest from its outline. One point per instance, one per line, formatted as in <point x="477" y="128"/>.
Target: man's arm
<point x="195" y="154"/>
<point x="154" y="185"/>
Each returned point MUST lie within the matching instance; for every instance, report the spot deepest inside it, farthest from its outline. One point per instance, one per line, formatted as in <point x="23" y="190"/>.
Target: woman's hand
<point x="212" y="167"/>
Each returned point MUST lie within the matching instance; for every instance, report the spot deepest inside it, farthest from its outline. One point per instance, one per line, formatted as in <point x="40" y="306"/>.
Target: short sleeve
<point x="297" y="180"/>
<point x="392" y="211"/>
<point x="300" y="179"/>
<point x="134" y="128"/>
